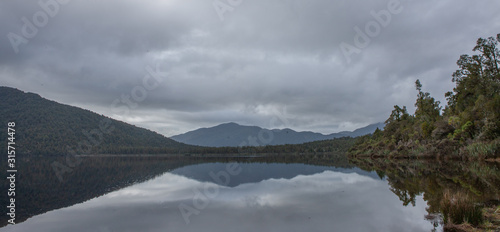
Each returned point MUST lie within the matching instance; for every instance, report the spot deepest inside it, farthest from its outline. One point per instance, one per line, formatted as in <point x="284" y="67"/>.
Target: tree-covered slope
<point x="467" y="128"/>
<point x="44" y="127"/>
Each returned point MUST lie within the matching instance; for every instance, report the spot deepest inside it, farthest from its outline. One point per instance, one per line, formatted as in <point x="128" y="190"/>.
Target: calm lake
<point x="279" y="193"/>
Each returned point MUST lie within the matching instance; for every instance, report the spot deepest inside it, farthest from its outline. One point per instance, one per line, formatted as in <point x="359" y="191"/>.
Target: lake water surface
<point x="239" y="195"/>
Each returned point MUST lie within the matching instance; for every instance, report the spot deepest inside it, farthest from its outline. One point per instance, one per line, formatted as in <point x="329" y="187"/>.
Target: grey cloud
<point x="263" y="57"/>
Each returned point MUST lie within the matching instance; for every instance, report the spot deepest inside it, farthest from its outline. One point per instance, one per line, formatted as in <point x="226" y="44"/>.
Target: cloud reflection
<point x="327" y="201"/>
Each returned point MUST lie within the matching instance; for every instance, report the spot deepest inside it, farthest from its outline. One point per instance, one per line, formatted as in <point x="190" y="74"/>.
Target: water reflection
<point x="315" y="200"/>
<point x="38" y="189"/>
<point x="256" y="172"/>
<point x="453" y="190"/>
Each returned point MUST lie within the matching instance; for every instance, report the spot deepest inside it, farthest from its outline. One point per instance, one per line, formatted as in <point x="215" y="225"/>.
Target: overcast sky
<point x="177" y="65"/>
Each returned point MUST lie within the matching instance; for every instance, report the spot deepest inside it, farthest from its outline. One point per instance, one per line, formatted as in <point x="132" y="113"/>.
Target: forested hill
<point x="469" y="125"/>
<point x="44" y="127"/>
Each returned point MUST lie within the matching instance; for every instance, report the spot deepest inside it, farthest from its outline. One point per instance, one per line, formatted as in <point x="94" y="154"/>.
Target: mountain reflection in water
<point x="288" y="193"/>
<point x="320" y="200"/>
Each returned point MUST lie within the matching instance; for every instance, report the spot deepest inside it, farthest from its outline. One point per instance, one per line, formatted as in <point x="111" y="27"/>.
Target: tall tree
<point x="475" y="99"/>
<point x="427" y="112"/>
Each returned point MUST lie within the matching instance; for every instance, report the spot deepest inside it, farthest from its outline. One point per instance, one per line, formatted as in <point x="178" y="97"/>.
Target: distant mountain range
<point x="45" y="127"/>
<point x="233" y="135"/>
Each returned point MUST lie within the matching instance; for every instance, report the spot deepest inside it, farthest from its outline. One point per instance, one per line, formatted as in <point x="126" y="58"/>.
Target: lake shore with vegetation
<point x="464" y="197"/>
<point x="467" y="128"/>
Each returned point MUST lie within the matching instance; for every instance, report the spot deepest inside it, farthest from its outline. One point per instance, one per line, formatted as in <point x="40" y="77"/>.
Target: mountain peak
<point x="228" y="124"/>
<point x="232" y="135"/>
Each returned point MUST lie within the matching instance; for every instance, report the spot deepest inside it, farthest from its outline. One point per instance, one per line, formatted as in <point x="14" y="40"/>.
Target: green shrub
<point x="484" y="150"/>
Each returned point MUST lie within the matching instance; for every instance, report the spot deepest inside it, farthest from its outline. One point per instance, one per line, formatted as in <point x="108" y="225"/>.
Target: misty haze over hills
<point x="233" y="135"/>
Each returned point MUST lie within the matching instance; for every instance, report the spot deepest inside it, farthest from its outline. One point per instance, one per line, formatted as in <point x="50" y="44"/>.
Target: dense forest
<point x="44" y="127"/>
<point x="468" y="127"/>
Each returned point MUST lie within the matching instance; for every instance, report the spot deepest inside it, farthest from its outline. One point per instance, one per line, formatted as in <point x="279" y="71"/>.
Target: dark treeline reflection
<point x="38" y="189"/>
<point x="438" y="182"/>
